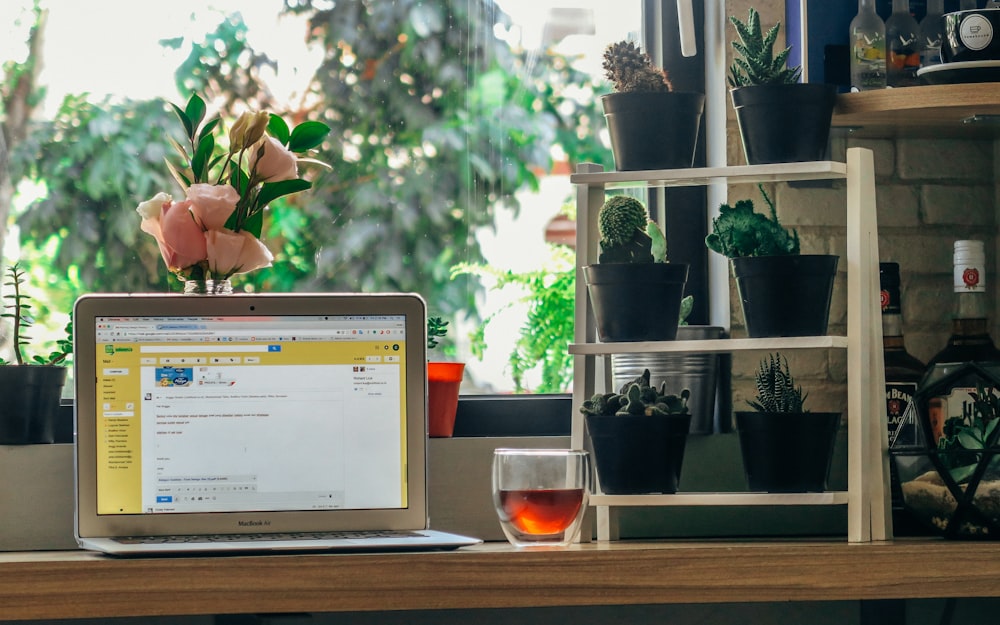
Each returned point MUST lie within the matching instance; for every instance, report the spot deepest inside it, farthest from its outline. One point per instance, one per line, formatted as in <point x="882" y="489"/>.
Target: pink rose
<point x="235" y="252"/>
<point x="180" y="238"/>
<point x="276" y="163"/>
<point x="212" y="204"/>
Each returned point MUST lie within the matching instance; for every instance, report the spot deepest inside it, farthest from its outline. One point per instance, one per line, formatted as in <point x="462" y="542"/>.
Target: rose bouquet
<point x="214" y="232"/>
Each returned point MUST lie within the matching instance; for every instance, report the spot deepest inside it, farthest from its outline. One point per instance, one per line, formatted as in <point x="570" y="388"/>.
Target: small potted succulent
<point x="636" y="293"/>
<point x="638" y="435"/>
<point x="444" y="378"/>
<point x="651" y="125"/>
<point x="786" y="448"/>
<point x="782" y="292"/>
<point x="781" y="120"/>
<point x="31" y="387"/>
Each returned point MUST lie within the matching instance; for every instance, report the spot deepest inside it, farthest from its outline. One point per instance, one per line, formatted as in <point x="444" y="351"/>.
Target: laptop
<point x="277" y="422"/>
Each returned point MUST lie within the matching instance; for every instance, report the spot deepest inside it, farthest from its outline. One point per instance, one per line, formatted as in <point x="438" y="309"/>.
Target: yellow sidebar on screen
<point x="251" y="425"/>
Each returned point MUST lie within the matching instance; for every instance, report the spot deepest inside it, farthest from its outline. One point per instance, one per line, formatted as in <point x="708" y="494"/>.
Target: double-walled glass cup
<point x="541" y="495"/>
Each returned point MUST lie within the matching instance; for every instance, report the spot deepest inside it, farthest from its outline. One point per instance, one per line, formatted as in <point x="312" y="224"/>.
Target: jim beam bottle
<point x="902" y="373"/>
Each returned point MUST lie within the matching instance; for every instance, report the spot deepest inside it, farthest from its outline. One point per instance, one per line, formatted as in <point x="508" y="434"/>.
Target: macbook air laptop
<point x="252" y="422"/>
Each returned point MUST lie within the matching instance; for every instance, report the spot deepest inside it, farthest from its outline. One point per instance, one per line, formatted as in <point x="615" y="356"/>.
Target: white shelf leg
<point x="867" y="463"/>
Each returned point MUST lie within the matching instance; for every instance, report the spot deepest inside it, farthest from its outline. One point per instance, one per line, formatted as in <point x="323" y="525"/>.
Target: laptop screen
<point x="225" y="413"/>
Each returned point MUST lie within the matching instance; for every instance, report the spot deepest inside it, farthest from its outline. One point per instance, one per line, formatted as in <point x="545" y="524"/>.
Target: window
<point x="455" y="124"/>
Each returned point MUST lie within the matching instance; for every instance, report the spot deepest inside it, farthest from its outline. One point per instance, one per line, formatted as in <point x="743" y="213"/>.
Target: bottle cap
<point x="888" y="278"/>
<point x="970" y="267"/>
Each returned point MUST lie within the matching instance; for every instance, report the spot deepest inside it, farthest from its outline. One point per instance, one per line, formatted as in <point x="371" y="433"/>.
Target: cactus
<point x="776" y="390"/>
<point x="759" y="65"/>
<point x="738" y="231"/>
<point x="637" y="397"/>
<point x="627" y="233"/>
<point x="632" y="71"/>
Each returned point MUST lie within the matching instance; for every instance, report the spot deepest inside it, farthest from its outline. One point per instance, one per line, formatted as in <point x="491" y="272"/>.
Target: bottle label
<point x="900" y="413"/>
<point x="976" y="32"/>
<point x="868" y="65"/>
<point x="969" y="279"/>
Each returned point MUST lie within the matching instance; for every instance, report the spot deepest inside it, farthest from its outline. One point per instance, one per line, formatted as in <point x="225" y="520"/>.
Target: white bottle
<point x="932" y="33"/>
<point x="867" y="49"/>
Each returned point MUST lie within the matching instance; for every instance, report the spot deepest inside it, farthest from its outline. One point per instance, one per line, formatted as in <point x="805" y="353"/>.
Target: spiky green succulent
<point x="739" y="232"/>
<point x="776" y="390"/>
<point x="759" y="65"/>
<point x="632" y="71"/>
<point x="627" y="233"/>
<point x="637" y="397"/>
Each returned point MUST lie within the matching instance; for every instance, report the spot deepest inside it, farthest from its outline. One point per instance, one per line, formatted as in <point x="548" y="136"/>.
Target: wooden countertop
<point x="73" y="584"/>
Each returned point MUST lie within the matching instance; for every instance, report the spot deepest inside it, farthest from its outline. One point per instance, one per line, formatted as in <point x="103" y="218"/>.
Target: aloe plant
<point x="757" y="64"/>
<point x="776" y="389"/>
<point x="18" y="308"/>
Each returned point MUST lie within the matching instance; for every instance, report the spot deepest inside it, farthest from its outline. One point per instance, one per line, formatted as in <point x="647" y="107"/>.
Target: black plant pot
<point x="784" y="123"/>
<point x="785" y="295"/>
<point x="638" y="454"/>
<point x="653" y="130"/>
<point x="636" y="302"/>
<point x="30" y="407"/>
<point x="787" y="453"/>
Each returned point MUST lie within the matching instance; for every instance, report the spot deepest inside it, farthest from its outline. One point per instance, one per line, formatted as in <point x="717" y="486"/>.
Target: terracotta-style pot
<point x="443" y="382"/>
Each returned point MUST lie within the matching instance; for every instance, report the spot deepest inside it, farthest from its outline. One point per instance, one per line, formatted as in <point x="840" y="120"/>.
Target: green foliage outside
<point x="436" y="124"/>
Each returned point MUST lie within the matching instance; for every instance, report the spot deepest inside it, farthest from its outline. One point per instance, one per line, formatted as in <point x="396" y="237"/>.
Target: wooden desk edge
<point x="50" y="585"/>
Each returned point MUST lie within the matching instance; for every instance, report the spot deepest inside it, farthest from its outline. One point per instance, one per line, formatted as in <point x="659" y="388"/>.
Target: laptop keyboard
<point x="230" y="538"/>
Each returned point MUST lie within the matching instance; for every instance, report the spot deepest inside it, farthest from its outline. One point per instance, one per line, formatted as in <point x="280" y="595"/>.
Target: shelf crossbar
<point x="701" y="176"/>
<point x="724" y="499"/>
<point x="712" y="346"/>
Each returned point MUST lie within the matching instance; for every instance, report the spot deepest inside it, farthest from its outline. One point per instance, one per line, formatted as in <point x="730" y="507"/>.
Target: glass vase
<point x="208" y="287"/>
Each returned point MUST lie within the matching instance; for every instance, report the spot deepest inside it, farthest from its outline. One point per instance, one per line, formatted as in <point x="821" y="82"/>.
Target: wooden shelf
<point x="701" y="176"/>
<point x="929" y="110"/>
<point x="714" y="346"/>
<point x="832" y="498"/>
<point x="63" y="585"/>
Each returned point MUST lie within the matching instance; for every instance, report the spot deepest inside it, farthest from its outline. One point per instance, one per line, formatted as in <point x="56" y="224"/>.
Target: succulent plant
<point x="436" y="328"/>
<point x="776" y="390"/>
<point x="18" y="310"/>
<point x="759" y="65"/>
<point x="975" y="430"/>
<point x="628" y="235"/>
<point x="739" y="232"/>
<point x="637" y="397"/>
<point x="632" y="71"/>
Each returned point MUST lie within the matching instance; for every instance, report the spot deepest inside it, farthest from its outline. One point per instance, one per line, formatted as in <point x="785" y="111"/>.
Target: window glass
<point x="455" y="124"/>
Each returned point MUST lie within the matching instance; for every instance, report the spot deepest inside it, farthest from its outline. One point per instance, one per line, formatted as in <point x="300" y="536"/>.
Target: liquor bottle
<point x="932" y="33"/>
<point x="970" y="340"/>
<point x="867" y="49"/>
<point x="902" y="373"/>
<point x="902" y="37"/>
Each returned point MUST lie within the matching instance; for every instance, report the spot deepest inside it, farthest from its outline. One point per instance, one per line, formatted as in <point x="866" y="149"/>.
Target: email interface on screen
<point x="217" y="414"/>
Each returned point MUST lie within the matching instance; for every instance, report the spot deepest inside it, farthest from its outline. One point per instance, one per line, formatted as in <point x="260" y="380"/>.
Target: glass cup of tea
<point x="541" y="495"/>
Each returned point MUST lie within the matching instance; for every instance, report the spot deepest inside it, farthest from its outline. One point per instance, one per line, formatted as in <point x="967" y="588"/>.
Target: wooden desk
<point x="50" y="585"/>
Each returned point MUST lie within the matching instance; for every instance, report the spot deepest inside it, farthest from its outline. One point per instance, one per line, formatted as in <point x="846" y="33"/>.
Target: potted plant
<point x="651" y="125"/>
<point x="697" y="372"/>
<point x="781" y="120"/>
<point x="786" y="448"/>
<point x="635" y="291"/>
<point x="443" y="382"/>
<point x="31" y="387"/>
<point x="638" y="435"/>
<point x="782" y="292"/>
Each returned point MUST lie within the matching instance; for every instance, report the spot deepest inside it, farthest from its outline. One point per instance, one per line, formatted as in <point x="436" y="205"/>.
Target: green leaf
<point x="195" y="111"/>
<point x="209" y="127"/>
<point x="254" y="223"/>
<point x="271" y="191"/>
<point x="278" y="129"/>
<point x="199" y="163"/>
<point x="184" y="120"/>
<point x="307" y="135"/>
